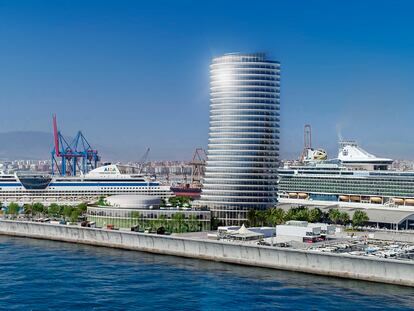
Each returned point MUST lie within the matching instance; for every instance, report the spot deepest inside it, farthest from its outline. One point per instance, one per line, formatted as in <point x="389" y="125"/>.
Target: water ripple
<point x="46" y="275"/>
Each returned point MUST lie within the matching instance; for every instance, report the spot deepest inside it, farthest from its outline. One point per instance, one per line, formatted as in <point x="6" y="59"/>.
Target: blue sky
<point x="133" y="74"/>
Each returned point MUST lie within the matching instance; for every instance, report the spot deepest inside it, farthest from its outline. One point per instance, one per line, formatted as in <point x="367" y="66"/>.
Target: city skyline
<point x="100" y="63"/>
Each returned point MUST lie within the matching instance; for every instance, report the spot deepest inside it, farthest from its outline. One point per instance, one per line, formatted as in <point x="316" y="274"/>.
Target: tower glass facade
<point x="242" y="161"/>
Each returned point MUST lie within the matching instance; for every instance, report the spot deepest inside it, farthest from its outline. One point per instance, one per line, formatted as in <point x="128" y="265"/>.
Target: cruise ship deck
<point x="102" y="181"/>
<point x="356" y="178"/>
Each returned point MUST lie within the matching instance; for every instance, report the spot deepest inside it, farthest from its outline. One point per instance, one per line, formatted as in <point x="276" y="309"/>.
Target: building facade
<point x="144" y="211"/>
<point x="242" y="160"/>
<point x="172" y="219"/>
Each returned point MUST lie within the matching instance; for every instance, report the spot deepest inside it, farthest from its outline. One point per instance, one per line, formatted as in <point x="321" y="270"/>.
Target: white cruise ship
<point x="102" y="181"/>
<point x="355" y="178"/>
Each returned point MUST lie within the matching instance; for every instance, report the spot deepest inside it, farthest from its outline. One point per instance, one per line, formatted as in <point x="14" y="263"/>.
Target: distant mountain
<point x="34" y="145"/>
<point x="25" y="145"/>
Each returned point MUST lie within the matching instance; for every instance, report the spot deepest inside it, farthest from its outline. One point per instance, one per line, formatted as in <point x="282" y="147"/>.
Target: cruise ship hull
<point x="74" y="190"/>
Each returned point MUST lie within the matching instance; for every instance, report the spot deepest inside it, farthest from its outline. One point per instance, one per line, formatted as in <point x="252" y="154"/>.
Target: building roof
<point x="133" y="201"/>
<point x="383" y="216"/>
<point x="374" y="214"/>
<point x="243" y="232"/>
<point x="350" y="152"/>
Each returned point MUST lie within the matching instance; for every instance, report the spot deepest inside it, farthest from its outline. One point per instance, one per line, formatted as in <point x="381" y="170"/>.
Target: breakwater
<point x="345" y="266"/>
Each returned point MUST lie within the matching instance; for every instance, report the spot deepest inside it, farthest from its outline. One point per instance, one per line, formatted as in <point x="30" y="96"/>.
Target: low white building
<point x="326" y="229"/>
<point x="243" y="234"/>
<point x="267" y="232"/>
<point x="297" y="231"/>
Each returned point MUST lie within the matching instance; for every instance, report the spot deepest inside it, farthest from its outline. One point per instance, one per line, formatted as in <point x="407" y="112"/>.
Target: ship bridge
<point x="352" y="155"/>
<point x="34" y="181"/>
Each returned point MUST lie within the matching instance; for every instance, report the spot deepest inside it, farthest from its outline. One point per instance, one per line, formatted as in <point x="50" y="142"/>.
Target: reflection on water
<point x="38" y="275"/>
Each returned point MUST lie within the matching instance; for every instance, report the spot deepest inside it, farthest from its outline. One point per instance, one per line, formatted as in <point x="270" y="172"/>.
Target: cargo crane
<point x="193" y="190"/>
<point x="143" y="161"/>
<point x="71" y="159"/>
<point x="198" y="164"/>
<point x="307" y="141"/>
<point x="309" y="154"/>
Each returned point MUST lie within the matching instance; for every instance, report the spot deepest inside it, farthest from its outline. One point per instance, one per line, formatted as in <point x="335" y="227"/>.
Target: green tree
<point x="102" y="201"/>
<point x="297" y="213"/>
<point x="359" y="218"/>
<point x="163" y="222"/>
<point x="82" y="208"/>
<point x="184" y="200"/>
<point x="179" y="201"/>
<point x="302" y="214"/>
<point x="54" y="210"/>
<point x="28" y="209"/>
<point x="67" y="211"/>
<point x="252" y="217"/>
<point x="261" y="217"/>
<point x="290" y="214"/>
<point x="74" y="216"/>
<point x="334" y="215"/>
<point x="344" y="218"/>
<point x="315" y="215"/>
<point x="275" y="216"/>
<point x="38" y="209"/>
<point x="193" y="224"/>
<point x="135" y="218"/>
<point x="178" y="221"/>
<point x="215" y="223"/>
<point x="13" y="209"/>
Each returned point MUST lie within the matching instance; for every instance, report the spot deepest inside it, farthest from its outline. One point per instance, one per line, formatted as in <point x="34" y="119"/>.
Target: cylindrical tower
<point x="242" y="160"/>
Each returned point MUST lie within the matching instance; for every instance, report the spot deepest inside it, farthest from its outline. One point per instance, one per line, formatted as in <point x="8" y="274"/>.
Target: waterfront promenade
<point x="345" y="266"/>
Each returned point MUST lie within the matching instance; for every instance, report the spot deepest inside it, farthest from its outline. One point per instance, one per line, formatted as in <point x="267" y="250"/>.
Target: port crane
<point x="307" y="141"/>
<point x="72" y="158"/>
<point x="198" y="164"/>
<point x="143" y="161"/>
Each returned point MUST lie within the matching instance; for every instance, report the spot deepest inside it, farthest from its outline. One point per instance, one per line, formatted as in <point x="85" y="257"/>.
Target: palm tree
<point x="315" y="215"/>
<point x="302" y="214"/>
<point x="38" y="209"/>
<point x="261" y="217"/>
<point x="359" y="218"/>
<point x="28" y="209"/>
<point x="54" y="210"/>
<point x="278" y="216"/>
<point x="344" y="218"/>
<point x="13" y="209"/>
<point x="334" y="215"/>
<point x="252" y="217"/>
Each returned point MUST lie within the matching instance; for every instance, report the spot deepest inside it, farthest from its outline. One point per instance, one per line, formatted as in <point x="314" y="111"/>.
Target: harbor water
<point x="47" y="275"/>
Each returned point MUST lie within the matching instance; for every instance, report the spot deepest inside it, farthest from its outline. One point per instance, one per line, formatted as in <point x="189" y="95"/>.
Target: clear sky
<point x="133" y="74"/>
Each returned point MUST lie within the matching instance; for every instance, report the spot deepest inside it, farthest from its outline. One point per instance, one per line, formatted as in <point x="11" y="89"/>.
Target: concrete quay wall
<point x="345" y="266"/>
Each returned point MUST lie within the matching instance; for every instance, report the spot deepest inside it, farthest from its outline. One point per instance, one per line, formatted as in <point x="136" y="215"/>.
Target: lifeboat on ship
<point x="303" y="195"/>
<point x="355" y="198"/>
<point x="376" y="200"/>
<point x="398" y="201"/>
<point x="344" y="198"/>
<point x="409" y="202"/>
<point x="293" y="195"/>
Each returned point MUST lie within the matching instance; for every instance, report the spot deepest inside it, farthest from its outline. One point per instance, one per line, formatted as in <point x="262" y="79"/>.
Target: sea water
<point x="47" y="275"/>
